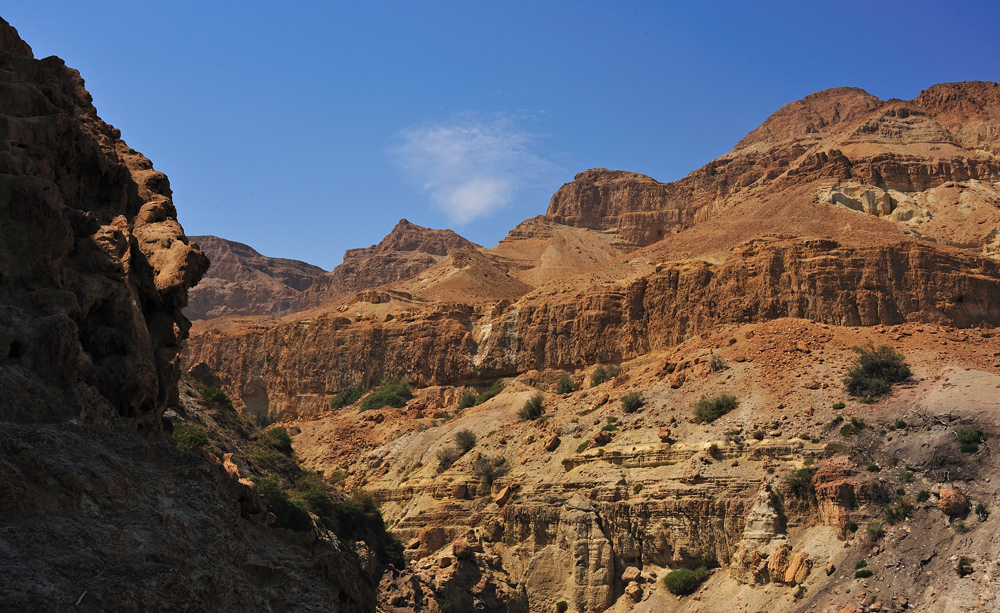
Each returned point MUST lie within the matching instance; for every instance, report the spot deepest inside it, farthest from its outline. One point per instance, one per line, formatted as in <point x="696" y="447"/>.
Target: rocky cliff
<point x="98" y="510"/>
<point x="241" y="281"/>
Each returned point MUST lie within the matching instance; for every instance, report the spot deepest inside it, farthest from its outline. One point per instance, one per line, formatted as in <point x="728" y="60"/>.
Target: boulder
<point x="952" y="502"/>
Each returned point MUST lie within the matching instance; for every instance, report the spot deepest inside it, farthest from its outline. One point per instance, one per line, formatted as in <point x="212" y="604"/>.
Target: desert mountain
<point x="842" y="221"/>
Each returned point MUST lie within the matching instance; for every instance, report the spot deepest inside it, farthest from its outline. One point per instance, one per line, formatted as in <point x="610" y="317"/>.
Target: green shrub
<point x="636" y="488"/>
<point x="684" y="581"/>
<point x="391" y="393"/>
<point x="446" y="457"/>
<point x="906" y="475"/>
<point x="981" y="510"/>
<point x="837" y="406"/>
<point x="532" y="409"/>
<point x="923" y="496"/>
<point x="856" y="426"/>
<point x="347" y="397"/>
<point x="801" y="483"/>
<point x="565" y="384"/>
<point x="288" y="513"/>
<point x="465" y="439"/>
<point x="468" y="400"/>
<point x="189" y="437"/>
<point x="632" y="401"/>
<point x="310" y="491"/>
<point x="900" y="424"/>
<point x="968" y="440"/>
<point x="874" y="531"/>
<point x="875" y="370"/>
<point x="874" y="468"/>
<point x="898" y="510"/>
<point x="562" y="606"/>
<point x="863" y="573"/>
<point x="716" y="363"/>
<point x="279" y="438"/>
<point x="860" y="564"/>
<point x="582" y="446"/>
<point x="493" y="390"/>
<point x="489" y="470"/>
<point x="708" y="410"/>
<point x="216" y="396"/>
<point x="602" y="374"/>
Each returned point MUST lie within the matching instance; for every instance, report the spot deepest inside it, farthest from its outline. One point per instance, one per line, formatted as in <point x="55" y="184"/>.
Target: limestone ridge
<point x="94" y="268"/>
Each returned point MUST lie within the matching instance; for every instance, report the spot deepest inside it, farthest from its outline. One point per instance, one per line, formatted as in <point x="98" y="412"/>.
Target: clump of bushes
<point x="347" y="397"/>
<point x="190" y="437"/>
<point x="875" y="370"/>
<point x="861" y="570"/>
<point x="602" y="374"/>
<point x="800" y="482"/>
<point x="684" y="581"/>
<point x="468" y="400"/>
<point x="707" y="410"/>
<point x="565" y="385"/>
<point x="216" y="396"/>
<point x="855" y="426"/>
<point x="446" y="457"/>
<point x="897" y="510"/>
<point x="391" y="393"/>
<point x="493" y="390"/>
<point x="532" y="408"/>
<point x="632" y="401"/>
<point x="279" y="438"/>
<point x="288" y="513"/>
<point x="968" y="440"/>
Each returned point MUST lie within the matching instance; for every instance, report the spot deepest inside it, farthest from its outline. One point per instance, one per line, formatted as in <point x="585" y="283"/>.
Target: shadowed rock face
<point x="94" y="268"/>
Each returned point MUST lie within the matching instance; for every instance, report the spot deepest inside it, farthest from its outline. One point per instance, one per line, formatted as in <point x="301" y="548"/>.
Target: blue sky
<point x="306" y="128"/>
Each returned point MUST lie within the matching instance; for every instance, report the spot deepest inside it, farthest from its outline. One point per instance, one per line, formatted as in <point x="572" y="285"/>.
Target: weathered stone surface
<point x="798" y="569"/>
<point x="952" y="502"/>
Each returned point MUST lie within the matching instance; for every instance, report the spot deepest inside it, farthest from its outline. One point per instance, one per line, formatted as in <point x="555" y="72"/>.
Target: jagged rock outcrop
<point x="94" y="268"/>
<point x="241" y="281"/>
<point x="98" y="510"/>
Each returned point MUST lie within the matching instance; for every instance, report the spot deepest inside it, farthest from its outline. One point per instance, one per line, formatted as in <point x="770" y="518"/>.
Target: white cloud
<point x="471" y="165"/>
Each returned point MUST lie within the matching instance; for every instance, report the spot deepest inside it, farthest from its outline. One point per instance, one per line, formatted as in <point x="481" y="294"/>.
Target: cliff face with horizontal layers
<point x="98" y="509"/>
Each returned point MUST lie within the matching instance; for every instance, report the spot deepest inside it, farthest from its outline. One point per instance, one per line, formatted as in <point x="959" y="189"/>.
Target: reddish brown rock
<point x="552" y="443"/>
<point x="952" y="502"/>
<point x="664" y="434"/>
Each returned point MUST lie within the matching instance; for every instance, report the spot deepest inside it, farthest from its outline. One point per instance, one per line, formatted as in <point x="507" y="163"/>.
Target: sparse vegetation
<point x="632" y="401"/>
<point x="465" y="439"/>
<point x="602" y="374"/>
<point x="923" y="496"/>
<point x="288" y="513"/>
<point x="875" y="370"/>
<point x="860" y="564"/>
<point x="716" y="363"/>
<point x="446" y="457"/>
<point x="837" y="406"/>
<point x="874" y="531"/>
<point x="279" y="438"/>
<point x="906" y="475"/>
<point x="493" y="390"/>
<point x="565" y="384"/>
<point x="874" y="468"/>
<point x="468" y="400"/>
<point x="216" y="396"/>
<point x="489" y="470"/>
<point x="900" y="424"/>
<point x="855" y="426"/>
<point x="981" y="511"/>
<point x="532" y="409"/>
<point x="707" y="410"/>
<point x="800" y="483"/>
<point x="347" y="397"/>
<point x="391" y="393"/>
<point x="897" y="510"/>
<point x="636" y="488"/>
<point x="562" y="606"/>
<point x="969" y="440"/>
<point x="684" y="581"/>
<point x="189" y="436"/>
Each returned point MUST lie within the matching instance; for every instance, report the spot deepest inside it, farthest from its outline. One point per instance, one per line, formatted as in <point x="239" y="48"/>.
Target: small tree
<point x="465" y="439"/>
<point x="684" y="581"/>
<point x="565" y="384"/>
<point x="602" y="374"/>
<point x="875" y="370"/>
<point x="632" y="401"/>
<point x="468" y="400"/>
<point x="446" y="457"/>
<point x="489" y="470"/>
<point x="532" y="409"/>
<point x="708" y="410"/>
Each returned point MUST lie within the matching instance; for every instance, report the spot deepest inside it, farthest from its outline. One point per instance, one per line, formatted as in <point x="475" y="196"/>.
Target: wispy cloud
<point x="471" y="165"/>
